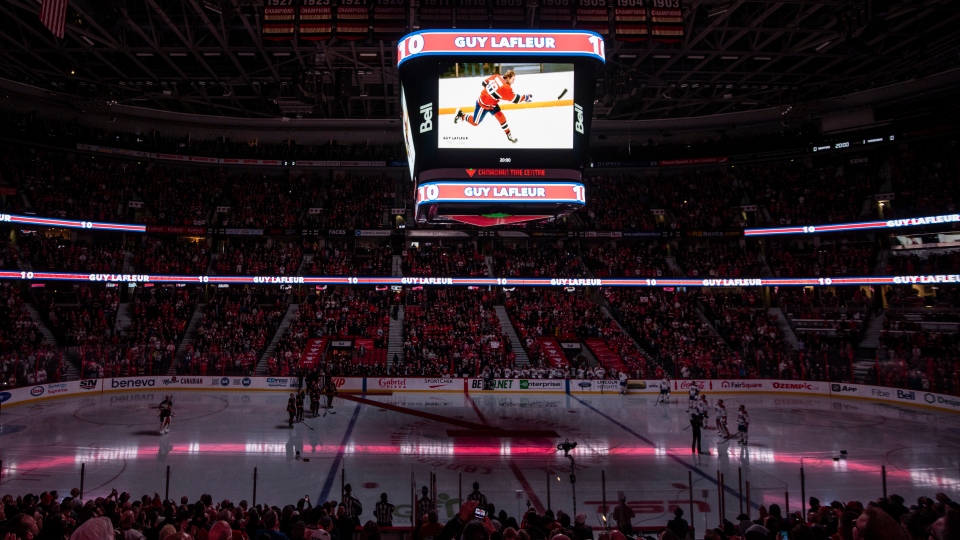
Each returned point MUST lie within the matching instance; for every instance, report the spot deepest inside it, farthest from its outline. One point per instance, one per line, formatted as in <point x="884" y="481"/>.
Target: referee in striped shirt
<point x="477" y="496"/>
<point x="383" y="511"/>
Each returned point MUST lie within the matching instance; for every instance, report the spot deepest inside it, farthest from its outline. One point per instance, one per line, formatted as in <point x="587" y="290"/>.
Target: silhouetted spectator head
<point x="875" y="524"/>
<point x="474" y="531"/>
<point x="100" y="528"/>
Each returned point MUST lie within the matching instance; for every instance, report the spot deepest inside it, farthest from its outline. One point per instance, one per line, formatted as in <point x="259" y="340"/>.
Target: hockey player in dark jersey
<point x="496" y="88"/>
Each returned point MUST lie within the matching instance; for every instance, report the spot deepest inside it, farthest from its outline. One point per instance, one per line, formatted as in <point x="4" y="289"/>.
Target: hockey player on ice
<point x="496" y="88"/>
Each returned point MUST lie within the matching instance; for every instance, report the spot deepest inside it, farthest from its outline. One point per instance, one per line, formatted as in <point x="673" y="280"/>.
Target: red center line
<point x="527" y="488"/>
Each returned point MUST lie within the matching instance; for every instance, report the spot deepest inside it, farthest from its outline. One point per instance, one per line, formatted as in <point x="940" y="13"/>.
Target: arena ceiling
<point x="207" y="57"/>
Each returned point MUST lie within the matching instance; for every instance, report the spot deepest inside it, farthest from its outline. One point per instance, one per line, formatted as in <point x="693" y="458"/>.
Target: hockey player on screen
<point x="496" y="88"/>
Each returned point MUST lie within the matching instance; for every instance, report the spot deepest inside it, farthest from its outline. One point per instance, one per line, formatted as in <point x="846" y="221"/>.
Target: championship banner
<point x="556" y="13"/>
<point x="313" y="352"/>
<point x="500" y="43"/>
<point x="435" y="14"/>
<point x="353" y="19"/>
<point x="315" y="17"/>
<point x="508" y="13"/>
<point x="666" y="17"/>
<point x="389" y="19"/>
<point x="473" y="14"/>
<point x="593" y="15"/>
<point x="279" y="19"/>
<point x="630" y="20"/>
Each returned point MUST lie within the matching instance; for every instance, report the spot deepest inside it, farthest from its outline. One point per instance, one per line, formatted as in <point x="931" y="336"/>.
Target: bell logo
<point x="579" y="123"/>
<point x="427" y="112"/>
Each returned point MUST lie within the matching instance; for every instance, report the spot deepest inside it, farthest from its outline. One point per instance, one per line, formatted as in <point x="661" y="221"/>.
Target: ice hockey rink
<point x="506" y="442"/>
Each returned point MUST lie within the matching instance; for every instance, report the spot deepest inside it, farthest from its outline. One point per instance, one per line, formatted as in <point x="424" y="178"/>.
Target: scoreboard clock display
<point x="487" y="99"/>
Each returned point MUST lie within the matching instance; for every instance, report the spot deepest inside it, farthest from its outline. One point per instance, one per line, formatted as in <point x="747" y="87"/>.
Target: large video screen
<point x="506" y="106"/>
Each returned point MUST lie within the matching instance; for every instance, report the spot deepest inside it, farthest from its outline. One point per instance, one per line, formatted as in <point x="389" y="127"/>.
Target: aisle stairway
<point x="511" y="333"/>
<point x="123" y="317"/>
<point x="489" y="260"/>
<point x="871" y="336"/>
<point x="127" y="263"/>
<point x="397" y="266"/>
<point x="784" y="326"/>
<point x="189" y="335"/>
<point x="606" y="313"/>
<point x="860" y="370"/>
<point x="707" y="322"/>
<point x="673" y="266"/>
<point x="48" y="336"/>
<point x="307" y="259"/>
<point x="71" y="371"/>
<point x="285" y="323"/>
<point x="395" y="343"/>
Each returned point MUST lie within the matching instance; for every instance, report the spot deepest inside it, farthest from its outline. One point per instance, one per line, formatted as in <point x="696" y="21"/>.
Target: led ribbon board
<point x="483" y="175"/>
<point x="509" y="192"/>
<point x="564" y="43"/>
<point x="488" y="203"/>
<point x="938" y="279"/>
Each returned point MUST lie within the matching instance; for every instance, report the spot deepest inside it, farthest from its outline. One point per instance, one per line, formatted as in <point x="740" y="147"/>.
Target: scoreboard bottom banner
<point x="496" y="203"/>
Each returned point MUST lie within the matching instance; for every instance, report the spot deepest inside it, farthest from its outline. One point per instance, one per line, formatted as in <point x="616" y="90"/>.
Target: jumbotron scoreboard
<point x="497" y="123"/>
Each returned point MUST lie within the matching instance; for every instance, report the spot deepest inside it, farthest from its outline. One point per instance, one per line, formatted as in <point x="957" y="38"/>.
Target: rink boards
<point x="389" y="385"/>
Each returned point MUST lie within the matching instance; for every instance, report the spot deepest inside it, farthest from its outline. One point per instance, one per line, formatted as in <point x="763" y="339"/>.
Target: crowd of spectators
<point x="353" y="201"/>
<point x="170" y="255"/>
<point x="802" y="258"/>
<point x="340" y="313"/>
<point x="800" y="191"/>
<point x="250" y="257"/>
<point x="702" y="199"/>
<point x="550" y="313"/>
<point x="665" y="324"/>
<point x="343" y="258"/>
<point x="459" y="259"/>
<point x="234" y="331"/>
<point x="618" y="202"/>
<point x="453" y="331"/>
<point x="75" y="185"/>
<point x="797" y="193"/>
<point x="719" y="259"/>
<point x="920" y="349"/>
<point x="176" y="196"/>
<point x="9" y="255"/>
<point x="627" y="260"/>
<point x="86" y="187"/>
<point x="157" y="323"/>
<point x="911" y="264"/>
<point x="121" y="516"/>
<point x="925" y="178"/>
<point x="25" y="358"/>
<point x="258" y="200"/>
<point x="537" y="260"/>
<point x="87" y="320"/>
<point x="65" y="255"/>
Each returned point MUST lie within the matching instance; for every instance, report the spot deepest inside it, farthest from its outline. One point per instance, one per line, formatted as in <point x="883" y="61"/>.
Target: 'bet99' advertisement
<point x="508" y="106"/>
<point x="494" y="98"/>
